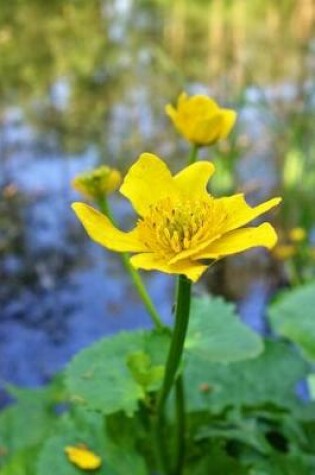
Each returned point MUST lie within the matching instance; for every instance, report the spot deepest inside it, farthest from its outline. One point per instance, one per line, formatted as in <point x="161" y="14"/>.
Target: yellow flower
<point x="83" y="458"/>
<point x="200" y="119"/>
<point x="180" y="224"/>
<point x="297" y="234"/>
<point x="98" y="182"/>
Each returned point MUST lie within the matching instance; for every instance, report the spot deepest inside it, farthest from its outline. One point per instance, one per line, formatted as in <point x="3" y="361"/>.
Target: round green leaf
<point x="216" y="333"/>
<point x="293" y="316"/>
<point x="88" y="428"/>
<point x="101" y="378"/>
<point x="270" y="378"/>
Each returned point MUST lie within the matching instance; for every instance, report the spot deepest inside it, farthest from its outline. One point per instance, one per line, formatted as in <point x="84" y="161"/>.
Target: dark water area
<point x="59" y="291"/>
<point x="74" y="96"/>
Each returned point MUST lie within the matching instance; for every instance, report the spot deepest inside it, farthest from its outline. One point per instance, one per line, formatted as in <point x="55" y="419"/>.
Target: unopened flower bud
<point x="98" y="182"/>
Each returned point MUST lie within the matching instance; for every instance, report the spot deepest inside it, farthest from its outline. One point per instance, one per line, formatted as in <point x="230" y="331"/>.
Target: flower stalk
<point x="181" y="425"/>
<point x="178" y="338"/>
<point x="183" y="298"/>
<point x="193" y="154"/>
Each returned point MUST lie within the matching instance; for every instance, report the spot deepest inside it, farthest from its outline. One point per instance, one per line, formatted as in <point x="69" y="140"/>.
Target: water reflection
<point x="86" y="82"/>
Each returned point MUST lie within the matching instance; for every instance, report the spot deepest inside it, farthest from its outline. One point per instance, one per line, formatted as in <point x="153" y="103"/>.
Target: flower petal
<point x="229" y="118"/>
<point x="102" y="231"/>
<point x="171" y="111"/>
<point x="240" y="240"/>
<point x="206" y="131"/>
<point x="150" y="261"/>
<point x="206" y="106"/>
<point x="182" y="99"/>
<point x="240" y="213"/>
<point x="146" y="182"/>
<point x="83" y="458"/>
<point x="192" y="181"/>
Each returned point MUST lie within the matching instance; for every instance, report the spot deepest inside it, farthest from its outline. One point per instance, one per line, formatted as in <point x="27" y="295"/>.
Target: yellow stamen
<point x="172" y="227"/>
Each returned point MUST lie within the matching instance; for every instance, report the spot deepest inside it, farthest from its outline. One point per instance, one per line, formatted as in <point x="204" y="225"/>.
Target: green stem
<point x="193" y="154"/>
<point x="133" y="273"/>
<point x="103" y="205"/>
<point x="142" y="291"/>
<point x="172" y="364"/>
<point x="161" y="444"/>
<point x="178" y="337"/>
<point x="181" y="429"/>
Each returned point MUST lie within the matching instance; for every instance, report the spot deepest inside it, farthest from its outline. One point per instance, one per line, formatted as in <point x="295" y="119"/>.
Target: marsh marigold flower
<point x="180" y="225"/>
<point x="83" y="458"/>
<point x="200" y="119"/>
<point x="98" y="182"/>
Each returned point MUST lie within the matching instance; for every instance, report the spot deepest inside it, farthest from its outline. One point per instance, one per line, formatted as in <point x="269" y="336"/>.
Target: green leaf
<point x="215" y="461"/>
<point x="53" y="459"/>
<point x="311" y="386"/>
<point x="292" y="316"/>
<point x="87" y="428"/>
<point x="245" y="431"/>
<point x="101" y="378"/>
<point x="26" y="424"/>
<point x="270" y="378"/>
<point x="124" y="459"/>
<point x="216" y="333"/>
<point x="32" y="411"/>
<point x="22" y="462"/>
<point x="148" y="376"/>
<point x="285" y="464"/>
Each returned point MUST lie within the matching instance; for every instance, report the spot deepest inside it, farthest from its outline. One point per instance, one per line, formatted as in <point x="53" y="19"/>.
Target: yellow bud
<point x="200" y="119"/>
<point x="297" y="234"/>
<point x="98" y="182"/>
<point x="83" y="458"/>
<point x="284" y="251"/>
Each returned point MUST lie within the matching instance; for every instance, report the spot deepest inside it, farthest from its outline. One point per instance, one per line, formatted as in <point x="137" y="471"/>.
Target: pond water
<point x="85" y="83"/>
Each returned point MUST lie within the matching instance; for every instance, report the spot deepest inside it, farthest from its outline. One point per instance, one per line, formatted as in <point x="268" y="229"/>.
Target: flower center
<point x="171" y="227"/>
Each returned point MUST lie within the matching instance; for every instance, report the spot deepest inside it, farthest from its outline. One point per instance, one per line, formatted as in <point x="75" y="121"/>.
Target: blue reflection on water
<point x="59" y="291"/>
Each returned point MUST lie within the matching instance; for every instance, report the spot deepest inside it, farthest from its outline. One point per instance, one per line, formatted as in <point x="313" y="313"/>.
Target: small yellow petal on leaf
<point x="83" y="458"/>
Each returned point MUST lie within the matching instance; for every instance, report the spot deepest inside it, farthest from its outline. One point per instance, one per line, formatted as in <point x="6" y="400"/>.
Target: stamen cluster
<point x="171" y="227"/>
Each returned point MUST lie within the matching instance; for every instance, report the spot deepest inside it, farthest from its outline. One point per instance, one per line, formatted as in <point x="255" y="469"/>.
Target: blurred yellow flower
<point x="200" y="119"/>
<point x="83" y="458"/>
<point x="297" y="234"/>
<point x="283" y="252"/>
<point x="180" y="224"/>
<point x="98" y="182"/>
